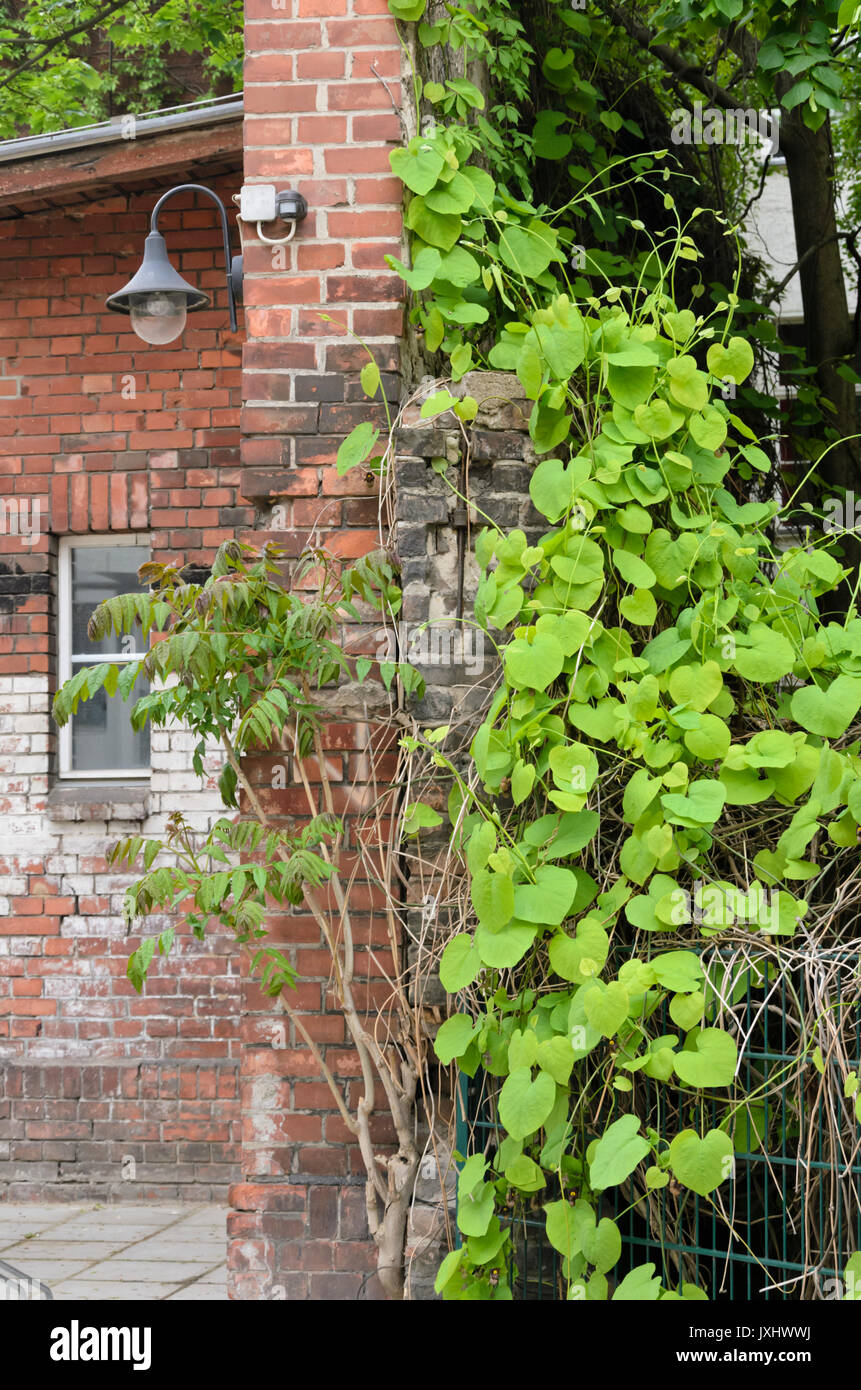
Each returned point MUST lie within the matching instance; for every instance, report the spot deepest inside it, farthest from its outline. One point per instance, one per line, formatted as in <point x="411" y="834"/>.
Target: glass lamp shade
<point x="157" y="298"/>
<point x="158" y="316"/>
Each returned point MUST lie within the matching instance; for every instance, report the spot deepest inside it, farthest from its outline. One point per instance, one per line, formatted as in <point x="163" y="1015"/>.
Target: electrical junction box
<point x="258" y="202"/>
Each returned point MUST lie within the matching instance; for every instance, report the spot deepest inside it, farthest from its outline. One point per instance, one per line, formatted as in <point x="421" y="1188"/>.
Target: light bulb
<point x="158" y="316"/>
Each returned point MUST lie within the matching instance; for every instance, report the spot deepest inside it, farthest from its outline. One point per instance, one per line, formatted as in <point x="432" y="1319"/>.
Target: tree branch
<point x="848" y="237"/>
<point x="674" y="62"/>
<point x="92" y="23"/>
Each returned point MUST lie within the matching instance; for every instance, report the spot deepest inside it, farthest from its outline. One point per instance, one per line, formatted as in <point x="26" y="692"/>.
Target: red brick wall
<point x="317" y="117"/>
<point x="109" y="434"/>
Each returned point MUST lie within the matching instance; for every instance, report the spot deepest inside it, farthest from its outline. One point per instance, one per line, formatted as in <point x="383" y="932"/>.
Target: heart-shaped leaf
<point x="701" y="806"/>
<point x="492" y="898"/>
<point x="827" y="712"/>
<point x="733" y="362"/>
<point x="460" y="963"/>
<point x="696" y="685"/>
<point x="606" y="1007"/>
<point x="454" y="1037"/>
<point x="658" y="420"/>
<point x="617" y="1153"/>
<point x="701" y="1164"/>
<point x="709" y="1058"/>
<point x="523" y="1173"/>
<point x="602" y="1246"/>
<point x="548" y="900"/>
<point x="679" y="971"/>
<point x="688" y="386"/>
<point x="581" y="957"/>
<point x="639" y="608"/>
<point x="764" y="655"/>
<point x="708" y="428"/>
<point x="533" y="665"/>
<point x="506" y="947"/>
<point x="475" y="1210"/>
<point x="566" y="1223"/>
<point x="554" y="485"/>
<point x="525" y="1104"/>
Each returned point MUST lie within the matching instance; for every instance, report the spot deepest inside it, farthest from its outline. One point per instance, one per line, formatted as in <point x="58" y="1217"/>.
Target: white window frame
<point x="66" y="656"/>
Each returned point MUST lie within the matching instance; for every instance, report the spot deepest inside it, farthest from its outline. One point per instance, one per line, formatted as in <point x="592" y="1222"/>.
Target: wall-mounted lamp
<point x="157" y="299"/>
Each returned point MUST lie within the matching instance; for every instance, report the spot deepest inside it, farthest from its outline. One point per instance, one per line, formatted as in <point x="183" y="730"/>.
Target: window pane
<point x="100" y="572"/>
<point x="103" y="739"/>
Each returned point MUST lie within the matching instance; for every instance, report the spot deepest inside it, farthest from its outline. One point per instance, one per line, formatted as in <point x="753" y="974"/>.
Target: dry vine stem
<point x="392" y="1065"/>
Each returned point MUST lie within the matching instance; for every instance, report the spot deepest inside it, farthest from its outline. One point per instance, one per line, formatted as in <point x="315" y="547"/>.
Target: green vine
<point x="669" y="769"/>
<point x="672" y="756"/>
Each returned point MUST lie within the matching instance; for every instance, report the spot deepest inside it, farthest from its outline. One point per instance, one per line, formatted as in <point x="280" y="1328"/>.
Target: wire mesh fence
<point x="784" y="1225"/>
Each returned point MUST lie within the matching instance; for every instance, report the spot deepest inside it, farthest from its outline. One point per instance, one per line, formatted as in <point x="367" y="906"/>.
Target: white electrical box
<point x="257" y="202"/>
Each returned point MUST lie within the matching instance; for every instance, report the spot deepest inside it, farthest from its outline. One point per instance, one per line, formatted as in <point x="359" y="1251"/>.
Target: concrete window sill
<point x="101" y="801"/>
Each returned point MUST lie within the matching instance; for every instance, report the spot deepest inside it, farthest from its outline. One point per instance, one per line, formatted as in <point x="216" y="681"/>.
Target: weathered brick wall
<point x="107" y="434"/>
<point x="322" y="92"/>
<point x="491" y="467"/>
<point x="128" y="1129"/>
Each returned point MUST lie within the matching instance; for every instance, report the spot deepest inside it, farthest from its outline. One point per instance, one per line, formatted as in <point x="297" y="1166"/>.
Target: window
<point x="99" y="740"/>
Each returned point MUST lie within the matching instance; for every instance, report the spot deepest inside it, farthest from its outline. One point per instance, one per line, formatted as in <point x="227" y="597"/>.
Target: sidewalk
<point x="153" y="1250"/>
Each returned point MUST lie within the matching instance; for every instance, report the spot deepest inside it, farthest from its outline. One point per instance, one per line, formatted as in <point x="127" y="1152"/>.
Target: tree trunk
<point x="828" y="327"/>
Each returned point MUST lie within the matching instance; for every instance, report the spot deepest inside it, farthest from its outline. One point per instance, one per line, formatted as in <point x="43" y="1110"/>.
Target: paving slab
<point x="125" y="1267"/>
<point x="208" y="1253"/>
<point x="199" y="1292"/>
<point x="18" y="1221"/>
<point x="83" y="1251"/>
<point x="142" y="1251"/>
<point x="115" y="1235"/>
<point x="98" y="1290"/>
<point x="49" y="1271"/>
<point x="118" y="1221"/>
<point x="38" y="1211"/>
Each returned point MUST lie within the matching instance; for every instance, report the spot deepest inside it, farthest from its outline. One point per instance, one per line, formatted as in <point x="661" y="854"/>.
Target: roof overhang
<point x="88" y="164"/>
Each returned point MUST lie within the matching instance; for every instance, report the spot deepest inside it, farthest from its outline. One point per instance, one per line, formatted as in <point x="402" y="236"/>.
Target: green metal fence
<point x="792" y="1210"/>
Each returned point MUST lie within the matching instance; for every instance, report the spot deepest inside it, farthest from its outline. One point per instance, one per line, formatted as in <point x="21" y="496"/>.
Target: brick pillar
<point x="322" y="92"/>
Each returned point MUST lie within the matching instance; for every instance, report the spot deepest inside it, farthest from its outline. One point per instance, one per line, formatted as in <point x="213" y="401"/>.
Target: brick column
<point x="322" y="94"/>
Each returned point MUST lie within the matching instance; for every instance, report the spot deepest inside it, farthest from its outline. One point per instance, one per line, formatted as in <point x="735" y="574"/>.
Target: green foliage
<point x="74" y="62"/>
<point x="671" y="709"/>
<point x="239" y="661"/>
<point x="576" y="107"/>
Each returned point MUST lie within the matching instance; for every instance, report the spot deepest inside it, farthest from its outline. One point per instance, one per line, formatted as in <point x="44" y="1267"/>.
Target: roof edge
<point x="116" y="130"/>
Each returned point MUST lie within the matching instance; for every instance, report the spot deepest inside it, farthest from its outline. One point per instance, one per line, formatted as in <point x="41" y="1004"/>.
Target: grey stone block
<point x="488" y="444"/>
<point x="427" y="443"/>
<point x="412" y="472"/>
<point x="511" y="476"/>
<point x="423" y="506"/>
<point x="412" y="540"/>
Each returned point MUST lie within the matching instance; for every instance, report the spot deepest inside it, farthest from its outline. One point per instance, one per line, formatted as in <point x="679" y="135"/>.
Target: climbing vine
<point x="665" y="793"/>
<point x="669" y="768"/>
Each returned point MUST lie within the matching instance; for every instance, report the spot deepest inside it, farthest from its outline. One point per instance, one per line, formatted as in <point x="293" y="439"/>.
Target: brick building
<point x="109" y="456"/>
<point x="114" y="450"/>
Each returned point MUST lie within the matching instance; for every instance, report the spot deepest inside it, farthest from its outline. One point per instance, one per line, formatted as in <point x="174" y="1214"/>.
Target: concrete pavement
<point x="149" y="1251"/>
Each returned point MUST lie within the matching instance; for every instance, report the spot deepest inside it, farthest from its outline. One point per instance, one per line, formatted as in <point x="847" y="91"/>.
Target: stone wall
<point x="489" y="465"/>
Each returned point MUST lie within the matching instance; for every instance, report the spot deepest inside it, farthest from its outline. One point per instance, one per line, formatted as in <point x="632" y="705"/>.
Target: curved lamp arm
<point x="233" y="272"/>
